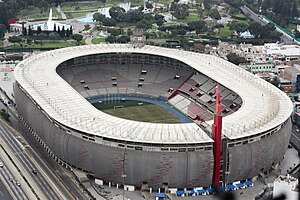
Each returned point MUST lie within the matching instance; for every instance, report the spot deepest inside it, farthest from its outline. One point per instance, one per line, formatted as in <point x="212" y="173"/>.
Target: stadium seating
<point x="190" y="92"/>
<point x="139" y="79"/>
<point x="196" y="98"/>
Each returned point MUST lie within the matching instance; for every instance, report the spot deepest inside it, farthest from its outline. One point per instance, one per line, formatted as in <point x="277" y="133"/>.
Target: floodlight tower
<point x="217" y="137"/>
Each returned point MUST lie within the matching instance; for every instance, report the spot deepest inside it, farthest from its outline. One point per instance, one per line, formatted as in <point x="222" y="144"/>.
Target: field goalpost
<point x="120" y="106"/>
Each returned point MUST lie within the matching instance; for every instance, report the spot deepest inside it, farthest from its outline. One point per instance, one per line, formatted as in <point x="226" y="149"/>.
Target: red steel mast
<point x="217" y="137"/>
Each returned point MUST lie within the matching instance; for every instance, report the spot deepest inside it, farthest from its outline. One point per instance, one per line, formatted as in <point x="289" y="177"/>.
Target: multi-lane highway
<point x="20" y="152"/>
<point x="51" y="178"/>
<point x="9" y="180"/>
<point x="4" y="193"/>
<point x="295" y="138"/>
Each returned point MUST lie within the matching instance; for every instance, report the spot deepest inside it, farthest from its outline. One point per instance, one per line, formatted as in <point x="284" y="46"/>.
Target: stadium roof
<point x="263" y="108"/>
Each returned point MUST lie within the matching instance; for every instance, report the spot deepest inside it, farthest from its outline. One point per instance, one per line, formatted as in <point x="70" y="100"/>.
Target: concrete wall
<point x="248" y="160"/>
<point x="178" y="169"/>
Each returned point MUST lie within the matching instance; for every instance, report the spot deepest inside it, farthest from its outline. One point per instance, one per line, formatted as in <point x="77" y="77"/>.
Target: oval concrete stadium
<point x="54" y="90"/>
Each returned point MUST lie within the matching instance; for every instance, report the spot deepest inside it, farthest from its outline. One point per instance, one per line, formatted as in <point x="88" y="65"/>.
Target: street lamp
<point x="227" y="174"/>
<point x="123" y="176"/>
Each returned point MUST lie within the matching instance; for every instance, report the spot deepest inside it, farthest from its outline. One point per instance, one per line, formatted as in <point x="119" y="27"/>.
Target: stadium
<point x="115" y="110"/>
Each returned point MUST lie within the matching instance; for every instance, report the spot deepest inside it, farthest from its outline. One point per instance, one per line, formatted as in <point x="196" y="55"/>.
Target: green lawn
<point x="131" y="110"/>
<point x="241" y="18"/>
<point x="36" y="13"/>
<point x="225" y="32"/>
<point x="290" y="27"/>
<point x="73" y="15"/>
<point x="45" y="45"/>
<point x="192" y="17"/>
<point x="80" y="6"/>
<point x="98" y="40"/>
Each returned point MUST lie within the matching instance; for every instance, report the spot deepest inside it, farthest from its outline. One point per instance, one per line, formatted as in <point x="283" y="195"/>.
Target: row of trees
<point x="181" y="30"/>
<point x="259" y="31"/>
<point x="61" y="33"/>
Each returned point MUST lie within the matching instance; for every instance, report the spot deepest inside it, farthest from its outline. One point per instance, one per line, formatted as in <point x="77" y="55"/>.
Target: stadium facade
<point x="54" y="88"/>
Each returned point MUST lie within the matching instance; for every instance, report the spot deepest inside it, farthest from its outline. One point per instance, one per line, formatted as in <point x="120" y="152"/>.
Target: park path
<point x="61" y="12"/>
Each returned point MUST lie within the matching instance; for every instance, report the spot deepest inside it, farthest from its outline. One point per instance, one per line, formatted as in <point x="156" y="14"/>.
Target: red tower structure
<point x="217" y="137"/>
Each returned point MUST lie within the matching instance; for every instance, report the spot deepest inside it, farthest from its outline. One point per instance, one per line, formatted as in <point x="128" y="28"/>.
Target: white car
<point x="1" y="164"/>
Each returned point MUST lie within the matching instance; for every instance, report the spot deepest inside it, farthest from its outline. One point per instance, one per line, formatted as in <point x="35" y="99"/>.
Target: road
<point x="61" y="173"/>
<point x="4" y="194"/>
<point x="295" y="138"/>
<point x="11" y="183"/>
<point x="249" y="13"/>
<point x="59" y="176"/>
<point x="89" y="38"/>
<point x="45" y="184"/>
<point x="61" y="12"/>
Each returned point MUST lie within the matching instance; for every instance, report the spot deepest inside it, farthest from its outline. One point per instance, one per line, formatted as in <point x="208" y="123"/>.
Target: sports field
<point x="138" y="111"/>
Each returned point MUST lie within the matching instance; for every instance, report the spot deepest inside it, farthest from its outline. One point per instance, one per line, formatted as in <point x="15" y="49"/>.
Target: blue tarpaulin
<point x="180" y="192"/>
<point x="211" y="190"/>
<point x="248" y="183"/>
<point x="239" y="185"/>
<point x="191" y="191"/>
<point x="201" y="191"/>
<point x="231" y="187"/>
<point x="160" y="195"/>
<point x="222" y="188"/>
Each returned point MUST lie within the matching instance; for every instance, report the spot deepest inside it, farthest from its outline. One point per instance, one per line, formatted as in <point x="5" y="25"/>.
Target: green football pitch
<point x="137" y="111"/>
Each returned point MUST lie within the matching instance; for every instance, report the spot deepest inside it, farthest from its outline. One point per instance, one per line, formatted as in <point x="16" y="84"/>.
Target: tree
<point x="135" y="15"/>
<point x="198" y="26"/>
<point x="63" y="32"/>
<point x="232" y="57"/>
<point x="181" y="11"/>
<point x="160" y="22"/>
<point x="275" y="81"/>
<point x="123" y="39"/>
<point x="24" y="30"/>
<point x="41" y="36"/>
<point x="14" y="39"/>
<point x="77" y="37"/>
<point x="238" y="27"/>
<point x="71" y="30"/>
<point x="98" y="17"/>
<point x="116" y="12"/>
<point x="114" y="31"/>
<point x="149" y="5"/>
<point x="54" y="36"/>
<point x="297" y="34"/>
<point x="54" y="28"/>
<point x="111" y="39"/>
<point x="109" y="22"/>
<point x="68" y="32"/>
<point x="214" y="13"/>
<point x="30" y="31"/>
<point x="264" y="32"/>
<point x="158" y="17"/>
<point x="39" y="30"/>
<point x="2" y="30"/>
<point x="144" y="24"/>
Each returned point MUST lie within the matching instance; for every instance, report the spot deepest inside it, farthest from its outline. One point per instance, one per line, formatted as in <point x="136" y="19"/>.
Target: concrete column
<point x="150" y="190"/>
<point x="109" y="184"/>
<point x="158" y="190"/>
<point x="117" y="185"/>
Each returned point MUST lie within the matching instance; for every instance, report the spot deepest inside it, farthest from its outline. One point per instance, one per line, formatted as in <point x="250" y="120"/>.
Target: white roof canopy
<point x="264" y="106"/>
